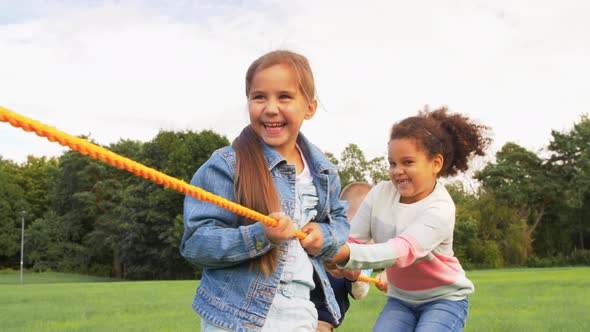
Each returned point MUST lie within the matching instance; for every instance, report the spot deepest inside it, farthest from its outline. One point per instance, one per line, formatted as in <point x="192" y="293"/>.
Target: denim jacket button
<point x="259" y="245"/>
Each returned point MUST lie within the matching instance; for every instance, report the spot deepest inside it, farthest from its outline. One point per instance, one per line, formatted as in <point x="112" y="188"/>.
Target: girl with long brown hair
<point x="257" y="277"/>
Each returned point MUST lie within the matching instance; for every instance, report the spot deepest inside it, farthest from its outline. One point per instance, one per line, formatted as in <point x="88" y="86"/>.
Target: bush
<point x="575" y="258"/>
<point x="492" y="256"/>
<point x="579" y="257"/>
<point x="552" y="261"/>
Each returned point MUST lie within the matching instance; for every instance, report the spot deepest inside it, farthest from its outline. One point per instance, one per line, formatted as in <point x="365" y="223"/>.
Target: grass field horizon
<point x="550" y="299"/>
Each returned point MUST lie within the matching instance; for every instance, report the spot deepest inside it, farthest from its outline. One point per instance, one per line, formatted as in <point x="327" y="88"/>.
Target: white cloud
<point x="125" y="69"/>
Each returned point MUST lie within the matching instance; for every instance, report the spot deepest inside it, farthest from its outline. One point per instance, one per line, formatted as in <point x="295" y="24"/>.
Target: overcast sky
<point x="126" y="69"/>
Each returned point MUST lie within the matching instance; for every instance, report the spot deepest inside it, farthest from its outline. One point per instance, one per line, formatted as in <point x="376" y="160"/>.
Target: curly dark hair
<point x="454" y="136"/>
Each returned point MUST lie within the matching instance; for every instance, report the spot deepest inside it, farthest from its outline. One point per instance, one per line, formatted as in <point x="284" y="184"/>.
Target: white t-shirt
<point x="298" y="267"/>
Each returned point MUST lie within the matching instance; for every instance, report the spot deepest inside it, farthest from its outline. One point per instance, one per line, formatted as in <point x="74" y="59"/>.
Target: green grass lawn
<point x="79" y="305"/>
<point x="505" y="300"/>
<point x="10" y="277"/>
<point x="556" y="299"/>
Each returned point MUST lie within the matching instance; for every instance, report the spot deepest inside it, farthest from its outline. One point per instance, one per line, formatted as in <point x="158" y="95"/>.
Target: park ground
<point x="551" y="299"/>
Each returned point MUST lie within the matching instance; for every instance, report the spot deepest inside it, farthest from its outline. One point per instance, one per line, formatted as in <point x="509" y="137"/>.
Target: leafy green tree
<point x="332" y="158"/>
<point x="103" y="244"/>
<point x="570" y="160"/>
<point x="466" y="239"/>
<point x="488" y="232"/>
<point x="103" y="220"/>
<point x="34" y="178"/>
<point x="74" y="208"/>
<point x="12" y="202"/>
<point x="378" y="170"/>
<point x="520" y="179"/>
<point x="145" y="228"/>
<point x="49" y="248"/>
<point x="354" y="167"/>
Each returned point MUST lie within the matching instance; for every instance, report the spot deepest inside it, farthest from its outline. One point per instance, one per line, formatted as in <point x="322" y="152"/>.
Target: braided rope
<point x="96" y="152"/>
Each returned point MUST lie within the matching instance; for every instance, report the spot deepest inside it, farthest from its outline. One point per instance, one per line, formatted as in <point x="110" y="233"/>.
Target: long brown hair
<point x="254" y="188"/>
<point x="253" y="185"/>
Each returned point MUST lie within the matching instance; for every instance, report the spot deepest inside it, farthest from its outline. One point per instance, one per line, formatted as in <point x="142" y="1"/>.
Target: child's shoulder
<point x="225" y="154"/>
<point x="383" y="191"/>
<point x="441" y="194"/>
<point x="315" y="156"/>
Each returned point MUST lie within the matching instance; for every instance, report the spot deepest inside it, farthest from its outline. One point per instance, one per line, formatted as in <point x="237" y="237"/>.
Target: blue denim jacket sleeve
<point x="213" y="237"/>
<point x="336" y="230"/>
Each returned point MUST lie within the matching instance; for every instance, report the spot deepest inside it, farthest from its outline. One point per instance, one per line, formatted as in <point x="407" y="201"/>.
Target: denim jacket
<point x="231" y="294"/>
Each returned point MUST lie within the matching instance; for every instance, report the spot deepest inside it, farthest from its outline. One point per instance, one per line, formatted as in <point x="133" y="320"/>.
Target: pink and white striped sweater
<point x="413" y="242"/>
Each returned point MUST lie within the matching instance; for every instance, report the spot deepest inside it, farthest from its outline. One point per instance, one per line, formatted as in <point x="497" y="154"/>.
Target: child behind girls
<point x="411" y="220"/>
<point x="342" y="281"/>
<point x="257" y="277"/>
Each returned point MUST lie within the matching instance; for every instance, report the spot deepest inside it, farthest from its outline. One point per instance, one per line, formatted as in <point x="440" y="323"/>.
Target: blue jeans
<point x="438" y="315"/>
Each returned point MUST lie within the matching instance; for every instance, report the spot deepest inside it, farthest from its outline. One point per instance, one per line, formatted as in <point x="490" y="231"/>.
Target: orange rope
<point x="367" y="279"/>
<point x="94" y="151"/>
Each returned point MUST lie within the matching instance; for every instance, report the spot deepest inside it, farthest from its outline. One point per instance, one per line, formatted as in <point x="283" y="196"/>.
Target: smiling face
<point x="277" y="107"/>
<point x="412" y="172"/>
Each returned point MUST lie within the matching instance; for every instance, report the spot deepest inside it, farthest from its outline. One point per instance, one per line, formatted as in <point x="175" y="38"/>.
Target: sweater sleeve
<point x="424" y="234"/>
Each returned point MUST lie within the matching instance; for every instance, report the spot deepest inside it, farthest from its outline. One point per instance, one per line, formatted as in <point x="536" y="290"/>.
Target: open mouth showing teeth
<point x="273" y="125"/>
<point x="274" y="128"/>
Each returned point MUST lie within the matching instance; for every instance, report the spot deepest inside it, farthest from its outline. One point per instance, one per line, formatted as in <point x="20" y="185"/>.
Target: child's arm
<point x="425" y="233"/>
<point x="213" y="236"/>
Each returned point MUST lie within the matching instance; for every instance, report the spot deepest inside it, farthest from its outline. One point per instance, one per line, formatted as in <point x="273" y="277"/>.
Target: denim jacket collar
<point x="315" y="158"/>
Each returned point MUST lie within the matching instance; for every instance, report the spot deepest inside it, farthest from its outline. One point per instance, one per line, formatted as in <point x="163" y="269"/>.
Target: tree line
<point x="81" y="215"/>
